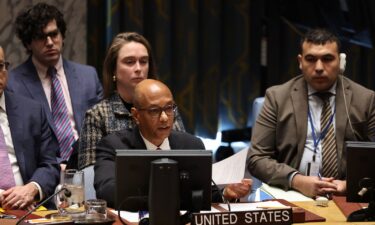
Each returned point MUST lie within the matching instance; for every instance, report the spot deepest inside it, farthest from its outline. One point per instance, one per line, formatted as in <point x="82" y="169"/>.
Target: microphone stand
<point x="67" y="193"/>
<point x="367" y="214"/>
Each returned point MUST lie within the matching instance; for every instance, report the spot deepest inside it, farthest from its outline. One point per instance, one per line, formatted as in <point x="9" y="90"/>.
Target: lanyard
<point x="322" y="133"/>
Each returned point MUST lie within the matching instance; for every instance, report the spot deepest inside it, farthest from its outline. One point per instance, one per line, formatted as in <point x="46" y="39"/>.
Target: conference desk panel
<point x="332" y="214"/>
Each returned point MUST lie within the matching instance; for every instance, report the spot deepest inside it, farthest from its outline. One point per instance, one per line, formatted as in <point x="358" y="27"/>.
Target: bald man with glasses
<point x="153" y="112"/>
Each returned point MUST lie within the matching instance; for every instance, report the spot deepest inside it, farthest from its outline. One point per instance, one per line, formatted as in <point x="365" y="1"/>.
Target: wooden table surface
<point x="332" y="214"/>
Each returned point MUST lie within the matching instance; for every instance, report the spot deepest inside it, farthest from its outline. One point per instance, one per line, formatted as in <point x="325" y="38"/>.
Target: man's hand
<point x="313" y="186"/>
<point x="341" y="187"/>
<point x="19" y="197"/>
<point x="233" y="191"/>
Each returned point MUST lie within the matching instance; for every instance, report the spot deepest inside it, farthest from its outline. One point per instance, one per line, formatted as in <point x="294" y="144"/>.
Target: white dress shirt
<point x="164" y="145"/>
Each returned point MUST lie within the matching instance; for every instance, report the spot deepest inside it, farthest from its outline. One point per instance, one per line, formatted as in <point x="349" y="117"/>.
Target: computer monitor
<point x="360" y="177"/>
<point x="193" y="180"/>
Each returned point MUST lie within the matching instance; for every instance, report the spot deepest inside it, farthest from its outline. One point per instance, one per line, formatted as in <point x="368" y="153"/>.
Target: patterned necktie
<point x="6" y="177"/>
<point x="64" y="130"/>
<point x="329" y="152"/>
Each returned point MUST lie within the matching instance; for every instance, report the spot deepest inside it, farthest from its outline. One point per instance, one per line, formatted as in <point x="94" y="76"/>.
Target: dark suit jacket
<point x="279" y="134"/>
<point x="84" y="87"/>
<point x="35" y="146"/>
<point x="104" y="181"/>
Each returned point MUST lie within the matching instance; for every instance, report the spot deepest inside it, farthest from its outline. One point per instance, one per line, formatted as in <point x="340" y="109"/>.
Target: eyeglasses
<point x="170" y="110"/>
<point x="53" y="35"/>
<point x="4" y="66"/>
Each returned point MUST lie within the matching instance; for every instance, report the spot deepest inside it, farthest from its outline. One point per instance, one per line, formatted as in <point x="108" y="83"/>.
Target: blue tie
<point x="64" y="131"/>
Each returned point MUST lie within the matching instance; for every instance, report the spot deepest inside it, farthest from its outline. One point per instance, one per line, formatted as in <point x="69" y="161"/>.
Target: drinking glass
<point x="96" y="209"/>
<point x="71" y="201"/>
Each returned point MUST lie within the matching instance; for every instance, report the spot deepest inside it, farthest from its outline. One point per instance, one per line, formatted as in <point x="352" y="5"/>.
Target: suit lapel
<point x="16" y="129"/>
<point x="341" y="117"/>
<point x="74" y="91"/>
<point x="136" y="140"/>
<point x="172" y="141"/>
<point x="300" y="107"/>
<point x="35" y="89"/>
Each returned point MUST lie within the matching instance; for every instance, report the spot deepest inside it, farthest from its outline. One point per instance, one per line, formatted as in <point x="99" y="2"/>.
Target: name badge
<point x="312" y="169"/>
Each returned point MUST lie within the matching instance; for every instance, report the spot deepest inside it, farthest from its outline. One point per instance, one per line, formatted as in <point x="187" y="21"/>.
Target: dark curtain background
<point x="218" y="55"/>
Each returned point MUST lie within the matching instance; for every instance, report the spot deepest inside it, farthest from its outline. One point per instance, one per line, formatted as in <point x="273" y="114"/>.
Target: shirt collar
<point x="2" y="101"/>
<point x="311" y="90"/>
<point x="164" y="145"/>
<point x="42" y="69"/>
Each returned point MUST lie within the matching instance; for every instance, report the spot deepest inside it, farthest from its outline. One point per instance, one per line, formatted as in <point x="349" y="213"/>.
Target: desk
<point x="332" y="214"/>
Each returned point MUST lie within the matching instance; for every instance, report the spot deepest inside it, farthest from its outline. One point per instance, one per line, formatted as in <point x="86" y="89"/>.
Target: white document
<point x="133" y="217"/>
<point x="128" y="216"/>
<point x="237" y="207"/>
<point x="291" y="196"/>
<point x="230" y="170"/>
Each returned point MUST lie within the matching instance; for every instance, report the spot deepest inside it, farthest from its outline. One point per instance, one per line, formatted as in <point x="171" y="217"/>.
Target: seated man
<point x="153" y="113"/>
<point x="298" y="139"/>
<point x="29" y="170"/>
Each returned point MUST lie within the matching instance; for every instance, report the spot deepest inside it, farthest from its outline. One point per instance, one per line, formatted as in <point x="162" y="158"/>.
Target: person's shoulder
<point x="21" y="68"/>
<point x="20" y="98"/>
<point x="23" y="103"/>
<point x="184" y="136"/>
<point x="100" y="107"/>
<point x="127" y="132"/>
<point x="298" y="80"/>
<point x="282" y="90"/>
<point x="354" y="86"/>
<point x="79" y="66"/>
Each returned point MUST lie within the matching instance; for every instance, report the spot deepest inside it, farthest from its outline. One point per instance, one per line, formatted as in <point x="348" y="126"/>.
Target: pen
<point x="6" y="216"/>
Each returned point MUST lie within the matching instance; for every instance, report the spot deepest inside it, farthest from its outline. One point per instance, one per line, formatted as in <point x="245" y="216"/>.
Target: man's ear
<point x="299" y="58"/>
<point x="135" y="115"/>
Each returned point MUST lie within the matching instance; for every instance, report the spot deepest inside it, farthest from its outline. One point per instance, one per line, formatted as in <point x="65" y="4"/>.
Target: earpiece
<point x="342" y="62"/>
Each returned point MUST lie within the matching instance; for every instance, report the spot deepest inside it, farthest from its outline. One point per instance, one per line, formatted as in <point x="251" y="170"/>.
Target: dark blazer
<point x="279" y="134"/>
<point x="84" y="87"/>
<point x="35" y="146"/>
<point x="104" y="181"/>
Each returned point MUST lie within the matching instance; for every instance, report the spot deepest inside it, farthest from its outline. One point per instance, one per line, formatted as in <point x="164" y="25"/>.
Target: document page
<point x="230" y="170"/>
<point x="291" y="196"/>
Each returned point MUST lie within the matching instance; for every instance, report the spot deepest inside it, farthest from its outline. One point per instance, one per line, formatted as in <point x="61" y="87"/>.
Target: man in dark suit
<point x="30" y="171"/>
<point x="287" y="145"/>
<point x="153" y="113"/>
<point x="42" y="30"/>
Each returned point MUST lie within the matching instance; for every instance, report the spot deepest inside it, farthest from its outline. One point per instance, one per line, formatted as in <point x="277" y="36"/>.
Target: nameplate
<point x="262" y="217"/>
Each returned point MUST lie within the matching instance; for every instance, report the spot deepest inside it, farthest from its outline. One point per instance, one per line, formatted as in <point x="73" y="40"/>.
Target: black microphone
<point x="67" y="194"/>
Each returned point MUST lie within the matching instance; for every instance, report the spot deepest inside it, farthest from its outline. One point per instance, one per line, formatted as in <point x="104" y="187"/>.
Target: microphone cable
<point x="67" y="193"/>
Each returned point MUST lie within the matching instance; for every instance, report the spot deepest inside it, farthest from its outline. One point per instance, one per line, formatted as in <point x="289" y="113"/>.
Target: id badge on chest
<point x="312" y="168"/>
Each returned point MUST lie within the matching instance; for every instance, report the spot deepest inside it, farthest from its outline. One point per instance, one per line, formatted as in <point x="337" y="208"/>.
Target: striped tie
<point x="6" y="177"/>
<point x="329" y="153"/>
<point x="64" y="131"/>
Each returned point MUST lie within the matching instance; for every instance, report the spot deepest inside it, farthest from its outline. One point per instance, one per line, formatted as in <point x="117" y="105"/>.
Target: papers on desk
<point x="133" y="217"/>
<point x="291" y="196"/>
<point x="230" y="170"/>
<point x="254" y="206"/>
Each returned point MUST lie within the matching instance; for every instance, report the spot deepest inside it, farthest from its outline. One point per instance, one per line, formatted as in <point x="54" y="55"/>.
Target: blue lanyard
<point x="322" y="134"/>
